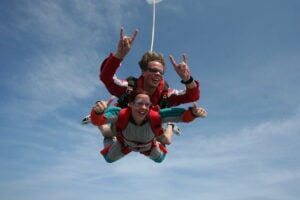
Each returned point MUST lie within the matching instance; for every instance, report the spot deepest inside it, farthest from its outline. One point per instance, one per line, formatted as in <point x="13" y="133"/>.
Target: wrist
<point x="98" y="113"/>
<point x="193" y="114"/>
<point x="190" y="80"/>
<point x="120" y="56"/>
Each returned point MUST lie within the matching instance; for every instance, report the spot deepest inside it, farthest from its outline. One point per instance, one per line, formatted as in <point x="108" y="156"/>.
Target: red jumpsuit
<point x="117" y="87"/>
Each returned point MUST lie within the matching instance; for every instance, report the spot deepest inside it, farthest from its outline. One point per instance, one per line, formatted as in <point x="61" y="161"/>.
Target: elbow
<point x="194" y="97"/>
<point x="101" y="77"/>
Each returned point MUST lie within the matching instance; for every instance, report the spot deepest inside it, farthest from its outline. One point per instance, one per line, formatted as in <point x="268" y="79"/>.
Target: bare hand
<point x="100" y="106"/>
<point x="125" y="43"/>
<point x="182" y="68"/>
<point x="198" y="111"/>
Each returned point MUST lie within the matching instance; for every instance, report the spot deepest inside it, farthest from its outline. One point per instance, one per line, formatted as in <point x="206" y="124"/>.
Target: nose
<point x="144" y="106"/>
<point x="158" y="73"/>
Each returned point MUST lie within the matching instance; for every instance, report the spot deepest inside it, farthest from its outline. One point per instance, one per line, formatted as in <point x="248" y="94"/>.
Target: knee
<point x="106" y="130"/>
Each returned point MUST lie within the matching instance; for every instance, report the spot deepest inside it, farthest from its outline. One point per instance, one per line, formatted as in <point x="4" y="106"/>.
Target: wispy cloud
<point x="246" y="149"/>
<point x="64" y="61"/>
<point x="255" y="156"/>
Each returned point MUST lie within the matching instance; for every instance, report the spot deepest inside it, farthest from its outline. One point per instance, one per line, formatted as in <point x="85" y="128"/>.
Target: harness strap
<point x="122" y="122"/>
<point x="138" y="144"/>
<point x="164" y="100"/>
<point x="132" y="84"/>
<point x="125" y="149"/>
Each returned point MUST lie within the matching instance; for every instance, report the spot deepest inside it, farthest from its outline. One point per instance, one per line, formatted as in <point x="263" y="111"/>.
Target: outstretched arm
<point x="181" y="114"/>
<point x="102" y="114"/>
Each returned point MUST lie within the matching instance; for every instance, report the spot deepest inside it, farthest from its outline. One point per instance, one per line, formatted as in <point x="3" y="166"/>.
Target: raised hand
<point x="198" y="111"/>
<point x="125" y="43"/>
<point x="182" y="68"/>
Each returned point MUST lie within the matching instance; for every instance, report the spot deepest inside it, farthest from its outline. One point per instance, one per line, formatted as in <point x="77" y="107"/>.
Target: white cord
<point x="153" y="27"/>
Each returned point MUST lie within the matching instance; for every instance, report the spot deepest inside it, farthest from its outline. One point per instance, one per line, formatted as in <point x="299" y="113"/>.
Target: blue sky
<point x="244" y="53"/>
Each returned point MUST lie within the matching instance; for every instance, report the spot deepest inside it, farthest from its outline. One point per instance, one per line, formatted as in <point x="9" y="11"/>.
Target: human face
<point x="153" y="75"/>
<point x="140" y="108"/>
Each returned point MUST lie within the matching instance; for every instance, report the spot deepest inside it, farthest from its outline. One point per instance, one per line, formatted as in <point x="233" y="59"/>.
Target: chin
<point x="155" y="85"/>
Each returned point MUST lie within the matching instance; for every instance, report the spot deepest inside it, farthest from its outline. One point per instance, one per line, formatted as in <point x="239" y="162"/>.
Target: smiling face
<point x="153" y="75"/>
<point x="140" y="108"/>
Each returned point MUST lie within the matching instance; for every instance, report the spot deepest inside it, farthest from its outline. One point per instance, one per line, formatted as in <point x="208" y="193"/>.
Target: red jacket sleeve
<point x="96" y="119"/>
<point x="177" y="97"/>
<point x="107" y="75"/>
<point x="188" y="116"/>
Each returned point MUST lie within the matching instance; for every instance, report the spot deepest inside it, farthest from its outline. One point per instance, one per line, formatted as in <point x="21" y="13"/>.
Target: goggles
<point x="142" y="103"/>
<point x="154" y="70"/>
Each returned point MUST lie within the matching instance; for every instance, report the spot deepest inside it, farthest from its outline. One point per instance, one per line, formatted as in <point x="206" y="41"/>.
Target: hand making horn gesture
<point x="182" y="68"/>
<point x="125" y="43"/>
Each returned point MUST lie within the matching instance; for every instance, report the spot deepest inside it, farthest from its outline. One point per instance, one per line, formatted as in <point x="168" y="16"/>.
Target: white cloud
<point x="64" y="66"/>
<point x="59" y="159"/>
<point x="251" y="162"/>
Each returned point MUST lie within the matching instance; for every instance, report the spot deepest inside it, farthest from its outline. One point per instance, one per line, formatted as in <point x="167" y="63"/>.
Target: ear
<point x="143" y="72"/>
<point x="130" y="104"/>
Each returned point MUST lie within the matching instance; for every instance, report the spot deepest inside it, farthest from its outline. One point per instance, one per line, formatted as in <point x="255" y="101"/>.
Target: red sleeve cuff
<point x="97" y="119"/>
<point x="188" y="116"/>
<point x="194" y="93"/>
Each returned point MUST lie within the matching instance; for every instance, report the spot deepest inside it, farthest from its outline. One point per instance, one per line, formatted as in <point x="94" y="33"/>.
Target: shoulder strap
<point x="123" y="119"/>
<point x="164" y="101"/>
<point x="123" y="100"/>
<point x="155" y="122"/>
<point x="131" y="81"/>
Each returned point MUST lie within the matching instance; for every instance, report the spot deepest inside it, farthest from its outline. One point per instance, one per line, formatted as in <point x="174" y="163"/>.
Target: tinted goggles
<point x="154" y="70"/>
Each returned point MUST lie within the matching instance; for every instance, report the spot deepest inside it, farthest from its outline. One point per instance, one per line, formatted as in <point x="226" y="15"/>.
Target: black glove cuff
<point x="188" y="81"/>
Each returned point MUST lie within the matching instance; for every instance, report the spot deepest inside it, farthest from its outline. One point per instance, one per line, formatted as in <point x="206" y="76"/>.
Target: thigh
<point x="115" y="151"/>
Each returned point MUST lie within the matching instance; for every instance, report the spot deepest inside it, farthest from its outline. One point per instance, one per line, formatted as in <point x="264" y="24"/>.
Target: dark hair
<point x="136" y="92"/>
<point x="151" y="56"/>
